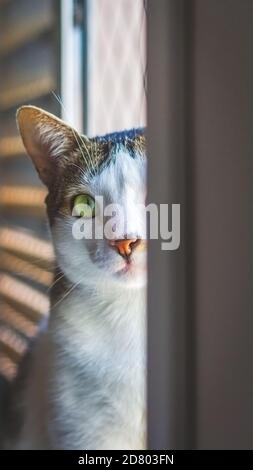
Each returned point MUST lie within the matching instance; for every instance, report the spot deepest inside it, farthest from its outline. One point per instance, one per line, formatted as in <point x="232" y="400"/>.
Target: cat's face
<point x="106" y="245"/>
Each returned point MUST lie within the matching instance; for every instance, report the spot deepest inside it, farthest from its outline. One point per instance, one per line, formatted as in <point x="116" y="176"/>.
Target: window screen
<point x="116" y="81"/>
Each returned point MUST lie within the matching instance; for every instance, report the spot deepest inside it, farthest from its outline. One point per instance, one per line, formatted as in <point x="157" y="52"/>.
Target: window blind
<point x="29" y="67"/>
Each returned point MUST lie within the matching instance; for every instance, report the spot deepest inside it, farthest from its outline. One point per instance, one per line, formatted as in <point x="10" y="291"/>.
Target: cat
<point x="84" y="384"/>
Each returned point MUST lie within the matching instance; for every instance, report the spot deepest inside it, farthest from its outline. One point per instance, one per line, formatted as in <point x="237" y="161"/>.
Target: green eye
<point x="84" y="206"/>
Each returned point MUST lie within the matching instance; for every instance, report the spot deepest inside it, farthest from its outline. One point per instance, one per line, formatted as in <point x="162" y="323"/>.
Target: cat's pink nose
<point x="125" y="246"/>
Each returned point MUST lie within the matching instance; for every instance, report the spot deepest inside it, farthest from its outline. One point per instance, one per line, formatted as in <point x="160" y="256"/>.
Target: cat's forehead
<point x="119" y="172"/>
<point x="106" y="161"/>
<point x="107" y="147"/>
<point x="132" y="137"/>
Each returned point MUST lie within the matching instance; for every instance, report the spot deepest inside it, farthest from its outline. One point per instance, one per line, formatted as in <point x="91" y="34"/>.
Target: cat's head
<point x="96" y="198"/>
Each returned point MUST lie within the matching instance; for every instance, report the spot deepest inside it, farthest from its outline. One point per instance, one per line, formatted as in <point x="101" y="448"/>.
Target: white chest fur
<point x="99" y="354"/>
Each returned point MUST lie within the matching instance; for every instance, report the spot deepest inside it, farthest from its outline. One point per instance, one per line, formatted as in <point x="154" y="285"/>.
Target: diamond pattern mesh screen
<point x="116" y="65"/>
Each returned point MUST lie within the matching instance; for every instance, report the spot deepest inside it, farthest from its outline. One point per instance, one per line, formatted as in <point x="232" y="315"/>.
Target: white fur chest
<point x="104" y="339"/>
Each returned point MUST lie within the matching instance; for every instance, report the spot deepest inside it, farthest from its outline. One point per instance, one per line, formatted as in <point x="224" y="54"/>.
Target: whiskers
<point x="74" y="286"/>
<point x="86" y="175"/>
<point x="79" y="140"/>
<point x="55" y="282"/>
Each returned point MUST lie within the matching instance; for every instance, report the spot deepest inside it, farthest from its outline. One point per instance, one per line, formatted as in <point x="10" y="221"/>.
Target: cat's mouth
<point x="130" y="268"/>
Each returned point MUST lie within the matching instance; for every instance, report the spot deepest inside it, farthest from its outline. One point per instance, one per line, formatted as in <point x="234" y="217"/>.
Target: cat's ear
<point x="48" y="140"/>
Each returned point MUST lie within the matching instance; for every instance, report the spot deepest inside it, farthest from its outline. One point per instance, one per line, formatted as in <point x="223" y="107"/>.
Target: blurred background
<point x="85" y="61"/>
